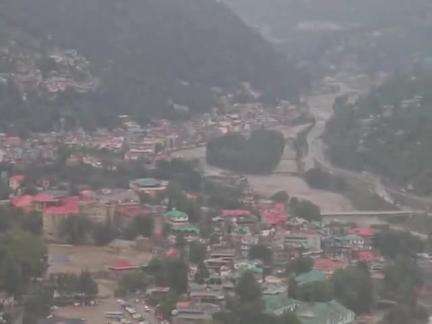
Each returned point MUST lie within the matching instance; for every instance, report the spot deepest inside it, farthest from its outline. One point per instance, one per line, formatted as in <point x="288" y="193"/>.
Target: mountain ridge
<point x="149" y="53"/>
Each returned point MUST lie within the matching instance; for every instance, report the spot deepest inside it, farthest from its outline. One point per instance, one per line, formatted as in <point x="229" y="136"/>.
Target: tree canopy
<point x="401" y="280"/>
<point x="300" y="265"/>
<point x="318" y="291"/>
<point x="247" y="306"/>
<point x="261" y="252"/>
<point x="197" y="252"/>
<point x="140" y="225"/>
<point x="260" y="153"/>
<point x="305" y="209"/>
<point x="170" y="272"/>
<point x="75" y="229"/>
<point x="398" y="243"/>
<point x="131" y="282"/>
<point x="248" y="289"/>
<point x="167" y="62"/>
<point x="387" y="131"/>
<point x="280" y="197"/>
<point x="353" y="288"/>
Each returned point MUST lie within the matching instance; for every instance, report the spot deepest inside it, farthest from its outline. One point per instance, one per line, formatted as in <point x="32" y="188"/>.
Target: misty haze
<point x="216" y="161"/>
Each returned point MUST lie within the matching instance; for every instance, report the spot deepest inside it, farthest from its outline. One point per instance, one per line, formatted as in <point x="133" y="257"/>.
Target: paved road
<point x="321" y="106"/>
<point x="374" y="213"/>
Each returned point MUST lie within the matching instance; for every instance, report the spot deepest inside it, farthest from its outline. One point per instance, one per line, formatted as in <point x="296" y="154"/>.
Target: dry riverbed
<point x="266" y="185"/>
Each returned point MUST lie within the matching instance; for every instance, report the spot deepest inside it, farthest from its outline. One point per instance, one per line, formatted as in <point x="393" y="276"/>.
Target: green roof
<point x="250" y="266"/>
<point x="279" y="304"/>
<point x="309" y="313"/>
<point x="187" y="229"/>
<point x="242" y="230"/>
<point x="311" y="276"/>
<point x="330" y="312"/>
<point x="175" y="214"/>
<point x="350" y="237"/>
<point x="146" y="182"/>
<point x="273" y="289"/>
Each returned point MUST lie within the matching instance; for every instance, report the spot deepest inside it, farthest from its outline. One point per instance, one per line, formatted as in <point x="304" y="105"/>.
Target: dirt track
<point x="66" y="258"/>
<point x="295" y="186"/>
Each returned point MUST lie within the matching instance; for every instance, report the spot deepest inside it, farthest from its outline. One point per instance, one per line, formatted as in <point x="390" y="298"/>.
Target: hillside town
<point x="154" y="142"/>
<point x="47" y="75"/>
<point x="146" y="237"/>
<point x="215" y="162"/>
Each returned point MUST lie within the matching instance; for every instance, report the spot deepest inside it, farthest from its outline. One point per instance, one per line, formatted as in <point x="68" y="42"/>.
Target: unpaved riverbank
<point x="266" y="185"/>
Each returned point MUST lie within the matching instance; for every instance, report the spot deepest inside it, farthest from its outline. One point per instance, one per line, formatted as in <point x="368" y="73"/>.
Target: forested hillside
<point x="142" y="57"/>
<point x="369" y="34"/>
<point x="388" y="131"/>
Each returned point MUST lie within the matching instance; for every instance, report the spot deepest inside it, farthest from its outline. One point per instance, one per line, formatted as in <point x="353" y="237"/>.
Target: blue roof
<point x="146" y="182"/>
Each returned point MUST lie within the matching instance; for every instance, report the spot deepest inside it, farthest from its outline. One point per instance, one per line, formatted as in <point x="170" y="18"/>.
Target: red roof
<point x="171" y="253"/>
<point x="24" y="201"/>
<point x="424" y="290"/>
<point x="69" y="206"/>
<point x="328" y="265"/>
<point x="365" y="256"/>
<point x="235" y="213"/>
<point x="122" y="264"/>
<point x="183" y="304"/>
<point x="275" y="215"/>
<point x="12" y="140"/>
<point x="86" y="195"/>
<point x="365" y="232"/>
<point x="42" y="198"/>
<point x="17" y="178"/>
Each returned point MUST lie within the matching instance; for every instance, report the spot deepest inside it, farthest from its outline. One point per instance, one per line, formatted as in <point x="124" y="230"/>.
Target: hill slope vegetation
<point x="389" y="131"/>
<point x="371" y="34"/>
<point x="147" y="55"/>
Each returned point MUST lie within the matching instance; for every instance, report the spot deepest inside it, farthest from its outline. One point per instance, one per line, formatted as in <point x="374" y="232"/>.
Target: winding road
<point x="321" y="106"/>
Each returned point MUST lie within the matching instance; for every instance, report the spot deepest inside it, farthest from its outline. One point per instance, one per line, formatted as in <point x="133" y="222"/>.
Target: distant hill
<point x="389" y="131"/>
<point x="374" y="34"/>
<point x="372" y="13"/>
<point x="143" y="56"/>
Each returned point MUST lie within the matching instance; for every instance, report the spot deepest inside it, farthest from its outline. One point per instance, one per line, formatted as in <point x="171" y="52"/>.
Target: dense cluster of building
<point x="48" y="74"/>
<point x="235" y="232"/>
<point x="331" y="247"/>
<point x="40" y="148"/>
<point x="132" y="142"/>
